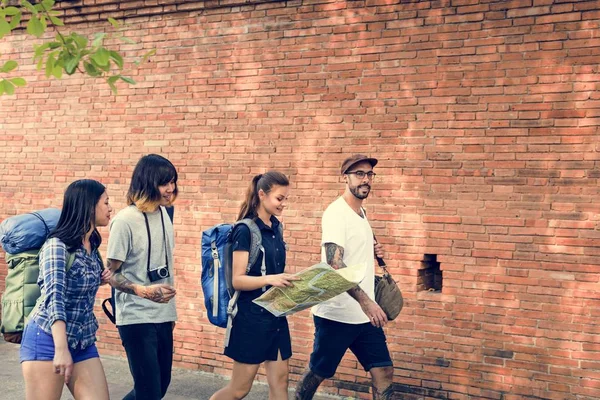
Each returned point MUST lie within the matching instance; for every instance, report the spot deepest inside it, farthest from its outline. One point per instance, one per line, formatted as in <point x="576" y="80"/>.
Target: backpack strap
<point x="215" y="274"/>
<point x="255" y="248"/>
<point x="71" y="260"/>
<point x="255" y="240"/>
<point x="42" y="298"/>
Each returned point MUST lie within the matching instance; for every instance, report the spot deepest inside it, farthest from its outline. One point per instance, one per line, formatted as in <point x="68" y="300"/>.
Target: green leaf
<point x="4" y="27"/>
<point x="105" y="68"/>
<point x="128" y="80"/>
<point x="39" y="50"/>
<point x="56" y="21"/>
<point x="148" y="55"/>
<point x="9" y="66"/>
<point x="111" y="82"/>
<point x="1" y="88"/>
<point x="116" y="57"/>
<point x="12" y="11"/>
<point x="35" y="27"/>
<point x="57" y="71"/>
<point x="101" y="57"/>
<point x="49" y="65"/>
<point x="15" y="21"/>
<point x="80" y="41"/>
<point x="113" y="22"/>
<point x="98" y="38"/>
<point x="71" y="63"/>
<point x="18" y="82"/>
<point x="40" y="63"/>
<point x="126" y="40"/>
<point x="29" y="7"/>
<point x="91" y="69"/>
<point x="113" y="87"/>
<point x="47" y="4"/>
<point x="9" y="88"/>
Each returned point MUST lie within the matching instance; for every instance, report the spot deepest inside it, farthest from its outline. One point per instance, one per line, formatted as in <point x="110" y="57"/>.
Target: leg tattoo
<point x="385" y="395"/>
<point x="308" y="385"/>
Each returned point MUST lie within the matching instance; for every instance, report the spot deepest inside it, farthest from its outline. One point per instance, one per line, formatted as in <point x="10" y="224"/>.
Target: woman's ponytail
<point x="264" y="182"/>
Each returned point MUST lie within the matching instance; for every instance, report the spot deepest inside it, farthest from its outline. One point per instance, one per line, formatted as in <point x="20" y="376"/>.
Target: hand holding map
<point x="315" y="285"/>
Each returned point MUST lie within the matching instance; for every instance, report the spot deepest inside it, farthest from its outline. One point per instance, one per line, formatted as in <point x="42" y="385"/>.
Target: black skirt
<point x="258" y="336"/>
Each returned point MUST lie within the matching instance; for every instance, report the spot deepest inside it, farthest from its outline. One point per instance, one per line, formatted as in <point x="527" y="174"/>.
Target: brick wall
<point x="484" y="115"/>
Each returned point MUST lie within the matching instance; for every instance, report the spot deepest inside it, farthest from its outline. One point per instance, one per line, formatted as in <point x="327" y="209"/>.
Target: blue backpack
<point x="220" y="298"/>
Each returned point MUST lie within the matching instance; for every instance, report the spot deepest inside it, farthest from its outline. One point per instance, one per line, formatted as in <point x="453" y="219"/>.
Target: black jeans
<point x="149" y="349"/>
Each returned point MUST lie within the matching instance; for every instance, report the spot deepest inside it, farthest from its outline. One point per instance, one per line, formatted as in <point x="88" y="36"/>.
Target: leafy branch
<point x="65" y="53"/>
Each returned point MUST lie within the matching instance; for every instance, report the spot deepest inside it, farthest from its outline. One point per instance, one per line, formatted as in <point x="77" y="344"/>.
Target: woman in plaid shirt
<point x="58" y="345"/>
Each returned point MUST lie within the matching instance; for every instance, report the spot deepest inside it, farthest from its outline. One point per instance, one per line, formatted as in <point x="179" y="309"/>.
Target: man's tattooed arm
<point x="335" y="256"/>
<point x="118" y="281"/>
<point x="159" y="293"/>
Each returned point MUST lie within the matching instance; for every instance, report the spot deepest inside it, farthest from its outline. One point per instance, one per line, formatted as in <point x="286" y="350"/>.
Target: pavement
<point x="185" y="384"/>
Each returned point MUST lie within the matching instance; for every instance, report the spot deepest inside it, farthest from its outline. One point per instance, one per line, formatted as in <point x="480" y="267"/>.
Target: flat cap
<point x="355" y="159"/>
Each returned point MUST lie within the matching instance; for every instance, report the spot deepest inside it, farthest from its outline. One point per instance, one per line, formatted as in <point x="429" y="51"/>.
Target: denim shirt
<point x="69" y="296"/>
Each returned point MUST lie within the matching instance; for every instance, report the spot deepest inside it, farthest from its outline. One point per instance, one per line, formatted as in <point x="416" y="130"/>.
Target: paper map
<point x="317" y="284"/>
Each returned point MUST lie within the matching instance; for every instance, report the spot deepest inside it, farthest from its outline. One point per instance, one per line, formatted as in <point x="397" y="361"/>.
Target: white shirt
<point x="343" y="226"/>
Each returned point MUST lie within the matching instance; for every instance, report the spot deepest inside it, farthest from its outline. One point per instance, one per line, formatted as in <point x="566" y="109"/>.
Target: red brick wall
<point x="484" y="115"/>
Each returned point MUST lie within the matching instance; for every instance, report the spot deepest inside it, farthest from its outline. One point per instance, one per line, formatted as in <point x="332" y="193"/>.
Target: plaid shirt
<point x="70" y="296"/>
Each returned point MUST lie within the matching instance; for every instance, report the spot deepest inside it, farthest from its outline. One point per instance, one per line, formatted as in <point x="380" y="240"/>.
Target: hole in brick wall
<point x="430" y="275"/>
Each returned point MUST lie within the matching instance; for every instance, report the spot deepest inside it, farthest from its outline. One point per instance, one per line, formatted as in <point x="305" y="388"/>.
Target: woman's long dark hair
<point x="264" y="182"/>
<point x="78" y="214"/>
<point x="150" y="172"/>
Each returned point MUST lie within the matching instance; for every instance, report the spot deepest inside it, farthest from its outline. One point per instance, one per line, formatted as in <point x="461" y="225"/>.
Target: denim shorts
<point x="37" y="345"/>
<point x="333" y="338"/>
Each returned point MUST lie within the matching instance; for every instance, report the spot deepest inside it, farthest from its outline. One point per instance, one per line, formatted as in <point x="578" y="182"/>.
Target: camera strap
<point x="150" y="240"/>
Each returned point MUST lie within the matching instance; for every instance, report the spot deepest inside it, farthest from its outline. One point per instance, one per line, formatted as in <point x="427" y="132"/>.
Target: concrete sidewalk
<point x="185" y="384"/>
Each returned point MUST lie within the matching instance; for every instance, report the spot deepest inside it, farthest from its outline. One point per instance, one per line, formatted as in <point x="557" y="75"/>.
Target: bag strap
<point x="46" y="228"/>
<point x="255" y="240"/>
<point x="42" y="298"/>
<point x="255" y="247"/>
<point x="70" y="261"/>
<point x="110" y="314"/>
<point x="380" y="260"/>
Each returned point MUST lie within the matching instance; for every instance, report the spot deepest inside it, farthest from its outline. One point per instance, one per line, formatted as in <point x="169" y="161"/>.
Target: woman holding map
<point x="258" y="336"/>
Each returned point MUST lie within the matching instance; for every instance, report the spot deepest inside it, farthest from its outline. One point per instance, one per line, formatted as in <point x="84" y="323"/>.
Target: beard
<point x="358" y="193"/>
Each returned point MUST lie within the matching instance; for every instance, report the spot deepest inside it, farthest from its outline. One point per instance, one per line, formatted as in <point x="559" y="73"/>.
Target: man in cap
<point x="352" y="320"/>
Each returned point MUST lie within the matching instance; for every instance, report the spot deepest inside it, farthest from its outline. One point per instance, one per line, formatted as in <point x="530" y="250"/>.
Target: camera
<point x="158" y="274"/>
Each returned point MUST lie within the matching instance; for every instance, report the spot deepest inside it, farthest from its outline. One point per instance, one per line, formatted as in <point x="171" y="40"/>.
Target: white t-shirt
<point x="344" y="227"/>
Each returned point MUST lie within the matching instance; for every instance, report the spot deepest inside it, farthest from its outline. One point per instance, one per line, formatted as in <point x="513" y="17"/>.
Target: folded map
<point x="317" y="283"/>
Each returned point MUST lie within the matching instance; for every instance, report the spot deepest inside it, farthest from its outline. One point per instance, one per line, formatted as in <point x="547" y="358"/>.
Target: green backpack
<point x="22" y="292"/>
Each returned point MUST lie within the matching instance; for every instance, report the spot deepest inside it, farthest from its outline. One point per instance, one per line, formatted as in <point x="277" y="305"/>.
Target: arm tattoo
<point x="307" y="386"/>
<point x="357" y="293"/>
<point x="156" y="295"/>
<point x="119" y="282"/>
<point x="334" y="255"/>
